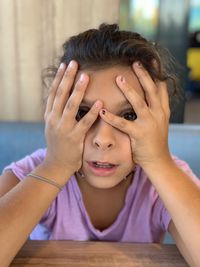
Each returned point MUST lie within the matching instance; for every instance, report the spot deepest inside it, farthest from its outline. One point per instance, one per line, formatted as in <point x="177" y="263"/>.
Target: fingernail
<point x="62" y="65"/>
<point x="71" y="64"/>
<point x="138" y="64"/>
<point x="82" y="77"/>
<point x="103" y="111"/>
<point x="97" y="104"/>
<point x="121" y="79"/>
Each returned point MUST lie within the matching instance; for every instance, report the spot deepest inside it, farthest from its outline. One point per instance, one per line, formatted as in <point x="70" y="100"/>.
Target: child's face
<point x="107" y="155"/>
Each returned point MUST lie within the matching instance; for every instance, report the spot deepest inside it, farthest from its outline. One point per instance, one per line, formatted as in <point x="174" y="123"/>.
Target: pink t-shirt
<point x="142" y="219"/>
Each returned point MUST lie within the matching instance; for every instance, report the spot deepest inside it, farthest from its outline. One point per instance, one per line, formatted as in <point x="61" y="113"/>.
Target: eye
<point x="81" y="113"/>
<point x="130" y="116"/>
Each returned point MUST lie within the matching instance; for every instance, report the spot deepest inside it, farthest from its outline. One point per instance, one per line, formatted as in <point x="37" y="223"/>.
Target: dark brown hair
<point x="108" y="46"/>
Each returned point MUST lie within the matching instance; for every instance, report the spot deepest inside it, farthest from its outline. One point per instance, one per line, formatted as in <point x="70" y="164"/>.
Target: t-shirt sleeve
<point x="160" y="215"/>
<point x="25" y="165"/>
<point x="186" y="168"/>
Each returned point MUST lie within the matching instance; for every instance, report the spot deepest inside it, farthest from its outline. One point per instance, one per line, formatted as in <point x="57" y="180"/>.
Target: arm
<point x="22" y="204"/>
<point x="149" y="140"/>
<point x="181" y="246"/>
<point x="21" y="208"/>
<point x="181" y="197"/>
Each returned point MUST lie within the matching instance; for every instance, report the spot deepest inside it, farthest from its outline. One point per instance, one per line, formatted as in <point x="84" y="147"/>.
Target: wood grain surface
<point x="87" y="254"/>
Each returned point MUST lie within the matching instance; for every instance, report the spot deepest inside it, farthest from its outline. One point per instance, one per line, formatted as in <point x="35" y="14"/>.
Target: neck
<point x="86" y="187"/>
<point x="109" y="201"/>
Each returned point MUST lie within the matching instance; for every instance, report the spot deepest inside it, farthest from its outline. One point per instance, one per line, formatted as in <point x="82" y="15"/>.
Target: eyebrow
<point x="122" y="103"/>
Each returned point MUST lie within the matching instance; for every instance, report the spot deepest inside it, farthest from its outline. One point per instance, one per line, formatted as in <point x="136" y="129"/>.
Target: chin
<point x="102" y="183"/>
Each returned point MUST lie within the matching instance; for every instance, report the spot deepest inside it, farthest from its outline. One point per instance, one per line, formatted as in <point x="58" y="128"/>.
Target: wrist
<point x="54" y="172"/>
<point x="158" y="165"/>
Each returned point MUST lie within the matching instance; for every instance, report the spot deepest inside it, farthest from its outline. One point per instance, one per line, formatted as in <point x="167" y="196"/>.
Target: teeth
<point x="103" y="165"/>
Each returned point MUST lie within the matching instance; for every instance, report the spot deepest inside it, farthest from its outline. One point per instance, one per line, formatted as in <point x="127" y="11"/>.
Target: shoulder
<point x="145" y="191"/>
<point x="143" y="181"/>
<point x="186" y="168"/>
<point x="182" y="164"/>
<point x="25" y="165"/>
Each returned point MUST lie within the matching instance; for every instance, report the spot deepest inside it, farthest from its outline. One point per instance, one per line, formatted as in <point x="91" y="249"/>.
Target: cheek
<point x="126" y="145"/>
<point x="125" y="150"/>
<point x="86" y="145"/>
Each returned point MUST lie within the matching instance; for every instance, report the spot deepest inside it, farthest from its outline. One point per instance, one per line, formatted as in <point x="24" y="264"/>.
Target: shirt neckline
<point x="131" y="191"/>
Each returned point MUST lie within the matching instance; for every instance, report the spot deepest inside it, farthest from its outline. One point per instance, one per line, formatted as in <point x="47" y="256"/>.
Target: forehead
<point x="102" y="84"/>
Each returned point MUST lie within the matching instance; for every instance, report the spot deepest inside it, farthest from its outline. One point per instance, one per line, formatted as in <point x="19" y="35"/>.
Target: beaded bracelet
<point x="41" y="178"/>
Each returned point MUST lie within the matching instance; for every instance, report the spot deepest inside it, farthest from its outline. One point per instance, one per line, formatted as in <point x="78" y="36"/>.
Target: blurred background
<point x="32" y="33"/>
<point x="175" y="24"/>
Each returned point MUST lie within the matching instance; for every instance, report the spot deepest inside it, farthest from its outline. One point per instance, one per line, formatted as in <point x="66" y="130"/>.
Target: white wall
<point x="32" y="33"/>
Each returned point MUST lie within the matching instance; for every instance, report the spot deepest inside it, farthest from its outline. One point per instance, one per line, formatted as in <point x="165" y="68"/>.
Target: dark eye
<point x="130" y="116"/>
<point x="81" y="113"/>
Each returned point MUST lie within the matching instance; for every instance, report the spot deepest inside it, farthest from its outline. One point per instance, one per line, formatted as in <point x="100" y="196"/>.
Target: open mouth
<point x="100" y="168"/>
<point x="104" y="165"/>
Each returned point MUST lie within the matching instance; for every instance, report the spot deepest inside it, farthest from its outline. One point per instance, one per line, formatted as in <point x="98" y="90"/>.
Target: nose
<point x="104" y="138"/>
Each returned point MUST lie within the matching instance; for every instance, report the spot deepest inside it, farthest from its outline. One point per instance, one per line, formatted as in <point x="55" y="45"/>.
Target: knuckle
<point x="70" y="105"/>
<point x="129" y="91"/>
<point x="145" y="113"/>
<point x="51" y="121"/>
<point x="89" y="118"/>
<point x="57" y="78"/>
<point x="162" y="116"/>
<point x="142" y="74"/>
<point x="153" y="90"/>
<point x="59" y="92"/>
<point x="81" y="84"/>
<point x="78" y="86"/>
<point x="61" y="131"/>
<point x="53" y="88"/>
<point x="59" y="74"/>
<point x="93" y="111"/>
<point x="86" y="122"/>
<point x="121" y="123"/>
<point x="140" y="103"/>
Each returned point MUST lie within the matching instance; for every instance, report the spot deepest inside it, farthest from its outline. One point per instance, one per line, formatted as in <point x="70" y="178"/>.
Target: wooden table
<point x="105" y="254"/>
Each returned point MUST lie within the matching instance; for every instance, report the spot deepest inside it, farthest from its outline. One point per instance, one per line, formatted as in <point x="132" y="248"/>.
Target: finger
<point x="117" y="122"/>
<point x="148" y="85"/>
<point x="74" y="101"/>
<point x="164" y="97"/>
<point x="53" y="89"/>
<point x="86" y="122"/>
<point x="64" y="88"/>
<point x="138" y="103"/>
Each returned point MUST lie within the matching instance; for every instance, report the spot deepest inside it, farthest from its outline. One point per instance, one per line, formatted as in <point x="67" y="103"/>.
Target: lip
<point x="102" y="171"/>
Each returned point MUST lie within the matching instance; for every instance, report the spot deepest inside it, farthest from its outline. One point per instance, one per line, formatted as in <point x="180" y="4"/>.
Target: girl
<point x="107" y="173"/>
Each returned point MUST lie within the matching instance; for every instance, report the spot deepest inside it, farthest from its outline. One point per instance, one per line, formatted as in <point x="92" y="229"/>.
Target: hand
<point x="149" y="132"/>
<point x="64" y="135"/>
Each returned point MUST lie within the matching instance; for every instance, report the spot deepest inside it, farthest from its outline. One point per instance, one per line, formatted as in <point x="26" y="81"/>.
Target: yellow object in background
<point x="193" y="62"/>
